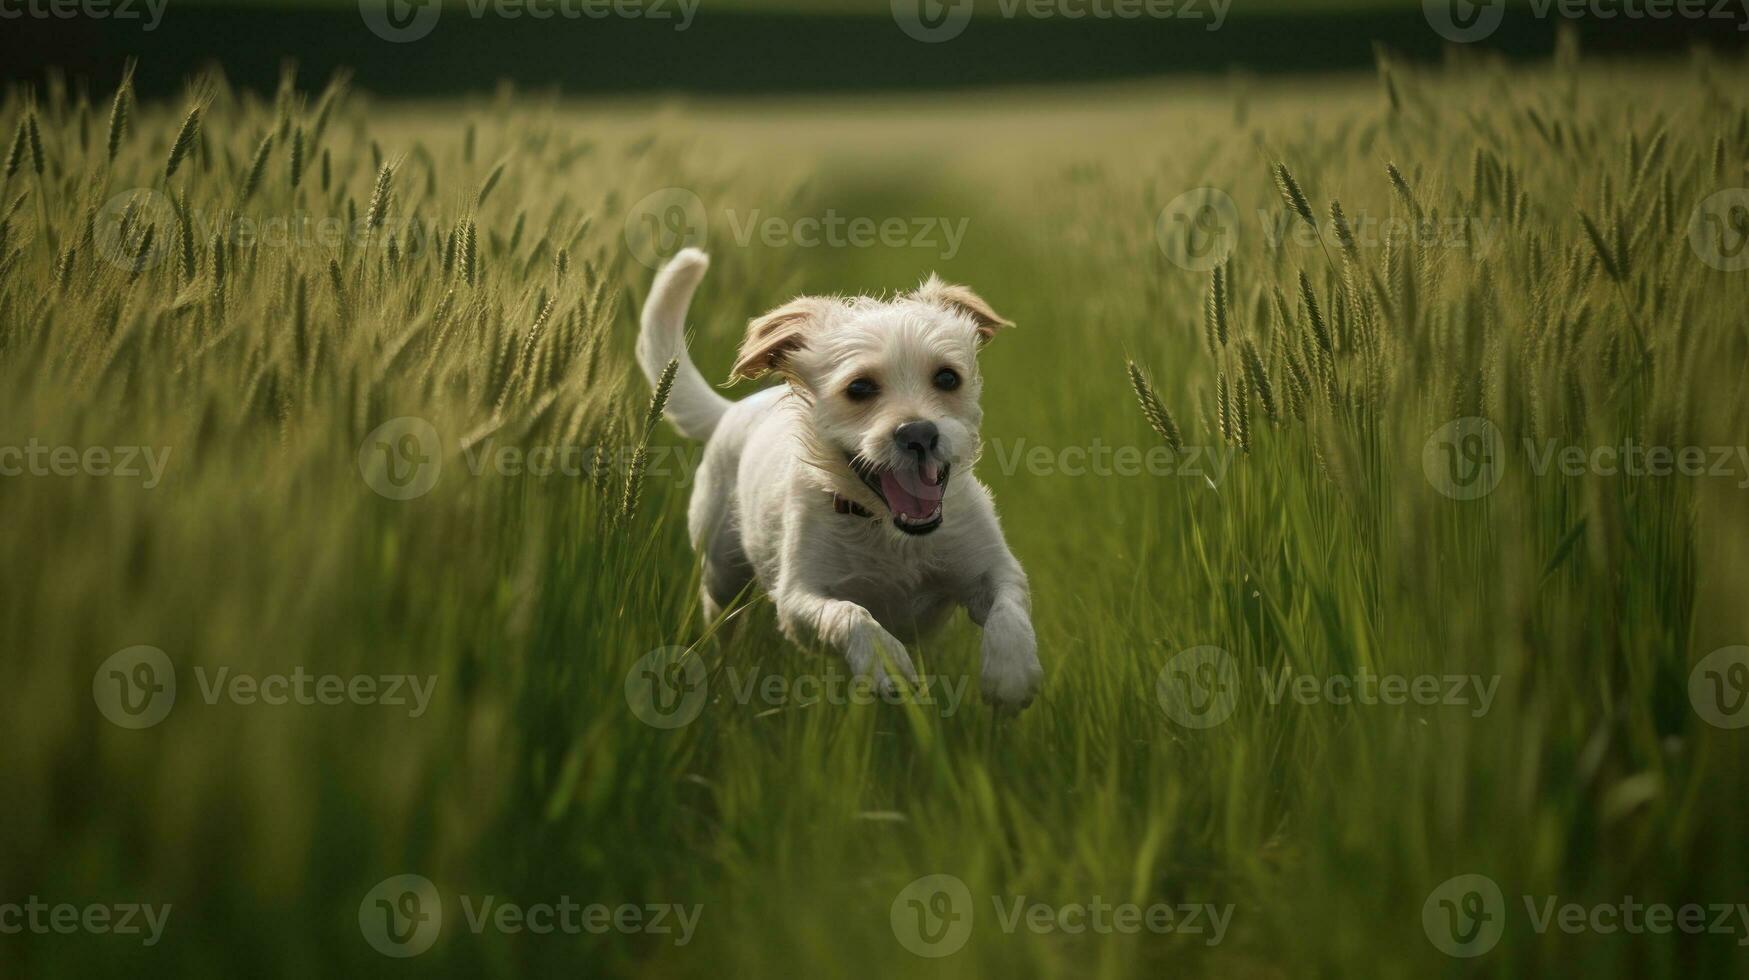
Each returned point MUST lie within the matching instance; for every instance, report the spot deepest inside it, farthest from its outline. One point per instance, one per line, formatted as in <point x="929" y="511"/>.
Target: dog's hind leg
<point x="717" y="539"/>
<point x="727" y="572"/>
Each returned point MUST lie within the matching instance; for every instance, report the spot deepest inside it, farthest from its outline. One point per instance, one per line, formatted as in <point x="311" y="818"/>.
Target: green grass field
<point x="1302" y="525"/>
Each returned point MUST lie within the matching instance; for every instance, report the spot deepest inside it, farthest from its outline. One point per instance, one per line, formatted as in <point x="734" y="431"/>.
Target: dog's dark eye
<point x="947" y="379"/>
<point x="861" y="389"/>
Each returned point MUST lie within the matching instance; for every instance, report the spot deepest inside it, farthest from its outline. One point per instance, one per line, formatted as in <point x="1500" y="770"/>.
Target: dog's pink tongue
<point x="907" y="494"/>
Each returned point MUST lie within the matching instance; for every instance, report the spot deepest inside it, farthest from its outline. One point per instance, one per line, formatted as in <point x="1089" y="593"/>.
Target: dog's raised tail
<point x="693" y="406"/>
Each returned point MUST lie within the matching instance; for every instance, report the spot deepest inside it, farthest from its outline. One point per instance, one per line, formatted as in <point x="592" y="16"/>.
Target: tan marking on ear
<point x="774" y="336"/>
<point x="961" y="299"/>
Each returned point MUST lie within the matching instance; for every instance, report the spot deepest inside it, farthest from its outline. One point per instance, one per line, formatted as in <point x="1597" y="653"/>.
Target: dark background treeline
<point x="742" y="51"/>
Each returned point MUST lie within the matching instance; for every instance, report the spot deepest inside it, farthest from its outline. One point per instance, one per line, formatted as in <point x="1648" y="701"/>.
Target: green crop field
<point x="1350" y="587"/>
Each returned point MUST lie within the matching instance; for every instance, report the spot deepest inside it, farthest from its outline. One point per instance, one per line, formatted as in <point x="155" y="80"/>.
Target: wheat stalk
<point x="1242" y="413"/>
<point x="15" y="156"/>
<point x="1296" y="201"/>
<point x="490" y="182"/>
<point x="185" y="239"/>
<point x="183" y="142"/>
<point x="118" y="110"/>
<point x="1159" y="419"/>
<point x="218" y="271"/>
<point x="1401" y="186"/>
<point x="1260" y="380"/>
<point x="380" y="195"/>
<point x="337" y="283"/>
<point x="1215" y="311"/>
<point x="1344" y="233"/>
<point x="64" y="269"/>
<point x="1223" y="406"/>
<point x="297" y="157"/>
<point x="640" y="458"/>
<point x="35" y="139"/>
<point x="1293" y="196"/>
<point x="469" y="253"/>
<point x="1320" y="329"/>
<point x="257" y="166"/>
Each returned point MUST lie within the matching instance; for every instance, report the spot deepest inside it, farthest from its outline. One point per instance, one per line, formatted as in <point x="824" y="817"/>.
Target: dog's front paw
<point x="881" y="657"/>
<point x="1011" y="671"/>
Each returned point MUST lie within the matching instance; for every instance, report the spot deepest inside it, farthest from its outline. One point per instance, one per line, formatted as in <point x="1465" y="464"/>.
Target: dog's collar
<point x="843" y="506"/>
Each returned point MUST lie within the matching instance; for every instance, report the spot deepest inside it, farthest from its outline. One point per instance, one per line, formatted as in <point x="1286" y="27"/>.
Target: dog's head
<point x="890" y="387"/>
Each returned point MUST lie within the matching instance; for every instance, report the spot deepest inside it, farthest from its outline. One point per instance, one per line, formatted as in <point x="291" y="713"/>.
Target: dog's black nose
<point x="917" y="437"/>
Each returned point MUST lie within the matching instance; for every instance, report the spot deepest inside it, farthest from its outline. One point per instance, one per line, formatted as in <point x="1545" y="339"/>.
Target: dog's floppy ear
<point x="960" y="299"/>
<point x="776" y="335"/>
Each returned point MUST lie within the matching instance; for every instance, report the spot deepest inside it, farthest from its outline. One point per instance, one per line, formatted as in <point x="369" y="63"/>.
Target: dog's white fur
<point x="763" y="507"/>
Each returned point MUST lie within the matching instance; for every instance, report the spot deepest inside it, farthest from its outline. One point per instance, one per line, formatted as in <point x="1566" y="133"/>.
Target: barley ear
<point x="257" y="166"/>
<point x="184" y="141"/>
<point x="218" y="271"/>
<point x="142" y="253"/>
<point x="34" y="137"/>
<point x="1215" y="310"/>
<point x="118" y="110"/>
<point x="600" y="459"/>
<point x="1293" y="196"/>
<point x="1260" y="380"/>
<point x="640" y="458"/>
<point x="1344" y="232"/>
<point x="1223" y="407"/>
<point x="297" y="157"/>
<point x="1159" y="419"/>
<point x="1402" y="187"/>
<point x="1320" y="329"/>
<point x="659" y="398"/>
<point x="64" y="271"/>
<point x="1242" y="413"/>
<point x="490" y="182"/>
<point x="380" y="195"/>
<point x="337" y="282"/>
<point x="1605" y="255"/>
<point x="15" y="156"/>
<point x="469" y="250"/>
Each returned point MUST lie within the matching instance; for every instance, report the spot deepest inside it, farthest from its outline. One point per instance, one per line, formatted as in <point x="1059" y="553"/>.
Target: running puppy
<point x="847" y="492"/>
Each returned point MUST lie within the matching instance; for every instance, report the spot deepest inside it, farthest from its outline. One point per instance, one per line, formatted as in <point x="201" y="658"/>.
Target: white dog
<point x="847" y="493"/>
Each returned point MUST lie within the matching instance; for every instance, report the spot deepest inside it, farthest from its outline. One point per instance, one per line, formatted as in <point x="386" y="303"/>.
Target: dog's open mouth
<point x="912" y="495"/>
